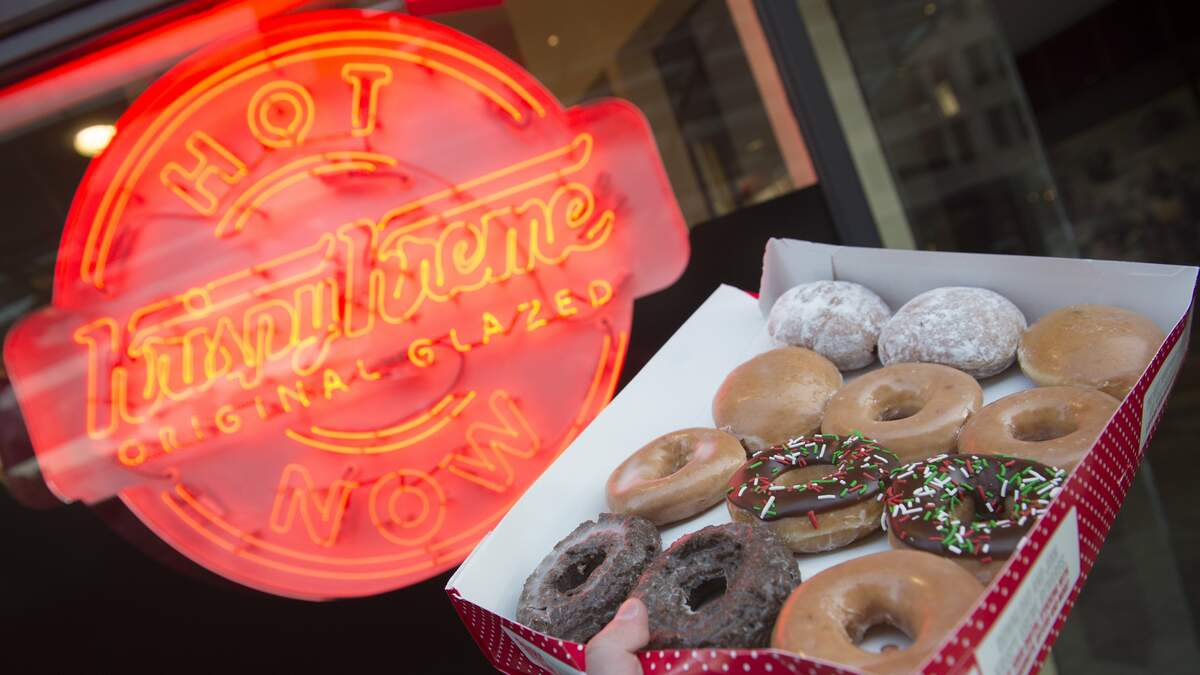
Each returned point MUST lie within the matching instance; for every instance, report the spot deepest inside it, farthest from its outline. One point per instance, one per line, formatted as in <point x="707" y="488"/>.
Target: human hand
<point x="611" y="651"/>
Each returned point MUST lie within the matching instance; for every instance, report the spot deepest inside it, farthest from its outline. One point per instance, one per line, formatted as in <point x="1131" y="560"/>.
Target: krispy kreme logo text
<point x="335" y="295"/>
<point x="366" y="275"/>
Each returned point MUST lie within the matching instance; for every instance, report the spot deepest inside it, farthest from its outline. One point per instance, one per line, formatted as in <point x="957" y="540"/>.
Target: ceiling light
<point x="946" y="99"/>
<point x="91" y="140"/>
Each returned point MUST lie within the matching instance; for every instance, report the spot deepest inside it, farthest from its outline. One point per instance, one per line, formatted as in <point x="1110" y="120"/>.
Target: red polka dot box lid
<point x="1014" y="622"/>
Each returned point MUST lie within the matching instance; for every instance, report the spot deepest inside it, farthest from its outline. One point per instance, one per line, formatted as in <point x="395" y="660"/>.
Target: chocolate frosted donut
<point x="972" y="509"/>
<point x="972" y="329"/>
<point x="577" y="588"/>
<point x="717" y="587"/>
<point x="813" y="514"/>
<point x="839" y="320"/>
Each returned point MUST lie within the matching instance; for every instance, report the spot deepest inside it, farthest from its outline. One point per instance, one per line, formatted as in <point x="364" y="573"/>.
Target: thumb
<point x="611" y="651"/>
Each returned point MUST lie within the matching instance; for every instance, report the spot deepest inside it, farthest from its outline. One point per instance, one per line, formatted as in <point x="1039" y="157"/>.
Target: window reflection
<point x="953" y="123"/>
<point x="683" y="62"/>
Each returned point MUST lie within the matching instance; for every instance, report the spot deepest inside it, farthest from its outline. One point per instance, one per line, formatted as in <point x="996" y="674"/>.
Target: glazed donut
<point x="577" y="588"/>
<point x="972" y="509"/>
<point x="972" y="329"/>
<point x="1098" y="346"/>
<point x="775" y="396"/>
<point x="717" y="587"/>
<point x="1051" y="425"/>
<point x="676" y="475"/>
<point x="839" y="320"/>
<point x="913" y="409"/>
<point x="811" y="515"/>
<point x="922" y="595"/>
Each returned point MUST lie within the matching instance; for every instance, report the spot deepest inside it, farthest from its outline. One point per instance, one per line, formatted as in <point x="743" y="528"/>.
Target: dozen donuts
<point x="805" y="463"/>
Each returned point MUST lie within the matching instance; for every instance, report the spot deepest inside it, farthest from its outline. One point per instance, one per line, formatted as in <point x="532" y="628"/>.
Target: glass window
<point x="685" y="63"/>
<point x="969" y="170"/>
<point x="977" y="64"/>
<point x="997" y="118"/>
<point x="962" y="141"/>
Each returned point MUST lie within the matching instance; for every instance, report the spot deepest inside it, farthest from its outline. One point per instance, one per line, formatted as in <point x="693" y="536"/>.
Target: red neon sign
<point x="336" y="294"/>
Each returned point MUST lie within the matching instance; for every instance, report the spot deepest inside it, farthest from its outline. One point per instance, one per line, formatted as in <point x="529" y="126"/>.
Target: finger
<point x="629" y="630"/>
<point x="611" y="651"/>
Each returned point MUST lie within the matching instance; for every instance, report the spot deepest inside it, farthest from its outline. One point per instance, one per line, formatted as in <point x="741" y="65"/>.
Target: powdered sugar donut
<point x="839" y="320"/>
<point x="972" y="329"/>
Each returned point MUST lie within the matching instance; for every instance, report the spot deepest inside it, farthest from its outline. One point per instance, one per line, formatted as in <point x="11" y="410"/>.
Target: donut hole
<point x="673" y="454"/>
<point x="1036" y="426"/>
<point x="705" y="591"/>
<point x="578" y="567"/>
<point x="897" y="404"/>
<point x="705" y="566"/>
<point x="971" y="508"/>
<point x="899" y="411"/>
<point x="877" y="631"/>
<point x="1006" y="508"/>
<point x="883" y="637"/>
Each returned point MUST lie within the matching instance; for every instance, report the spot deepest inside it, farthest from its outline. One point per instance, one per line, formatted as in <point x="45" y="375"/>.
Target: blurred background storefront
<point x="1066" y="128"/>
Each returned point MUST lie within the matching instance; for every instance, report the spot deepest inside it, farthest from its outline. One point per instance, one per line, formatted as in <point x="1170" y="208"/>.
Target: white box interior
<point x="675" y="388"/>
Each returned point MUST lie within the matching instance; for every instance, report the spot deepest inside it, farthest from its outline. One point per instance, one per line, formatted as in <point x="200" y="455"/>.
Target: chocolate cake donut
<point x="717" y="587"/>
<point x="577" y="588"/>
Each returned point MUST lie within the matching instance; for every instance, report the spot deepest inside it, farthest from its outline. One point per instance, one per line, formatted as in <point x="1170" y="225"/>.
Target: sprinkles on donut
<point x="822" y="513"/>
<point x="973" y="509"/>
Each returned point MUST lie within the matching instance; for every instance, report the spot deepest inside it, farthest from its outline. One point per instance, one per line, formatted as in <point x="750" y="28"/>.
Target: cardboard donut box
<point x="1016" y="620"/>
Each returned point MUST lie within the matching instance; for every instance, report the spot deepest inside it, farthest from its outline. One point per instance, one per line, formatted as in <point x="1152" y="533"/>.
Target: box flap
<point x="1161" y="292"/>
